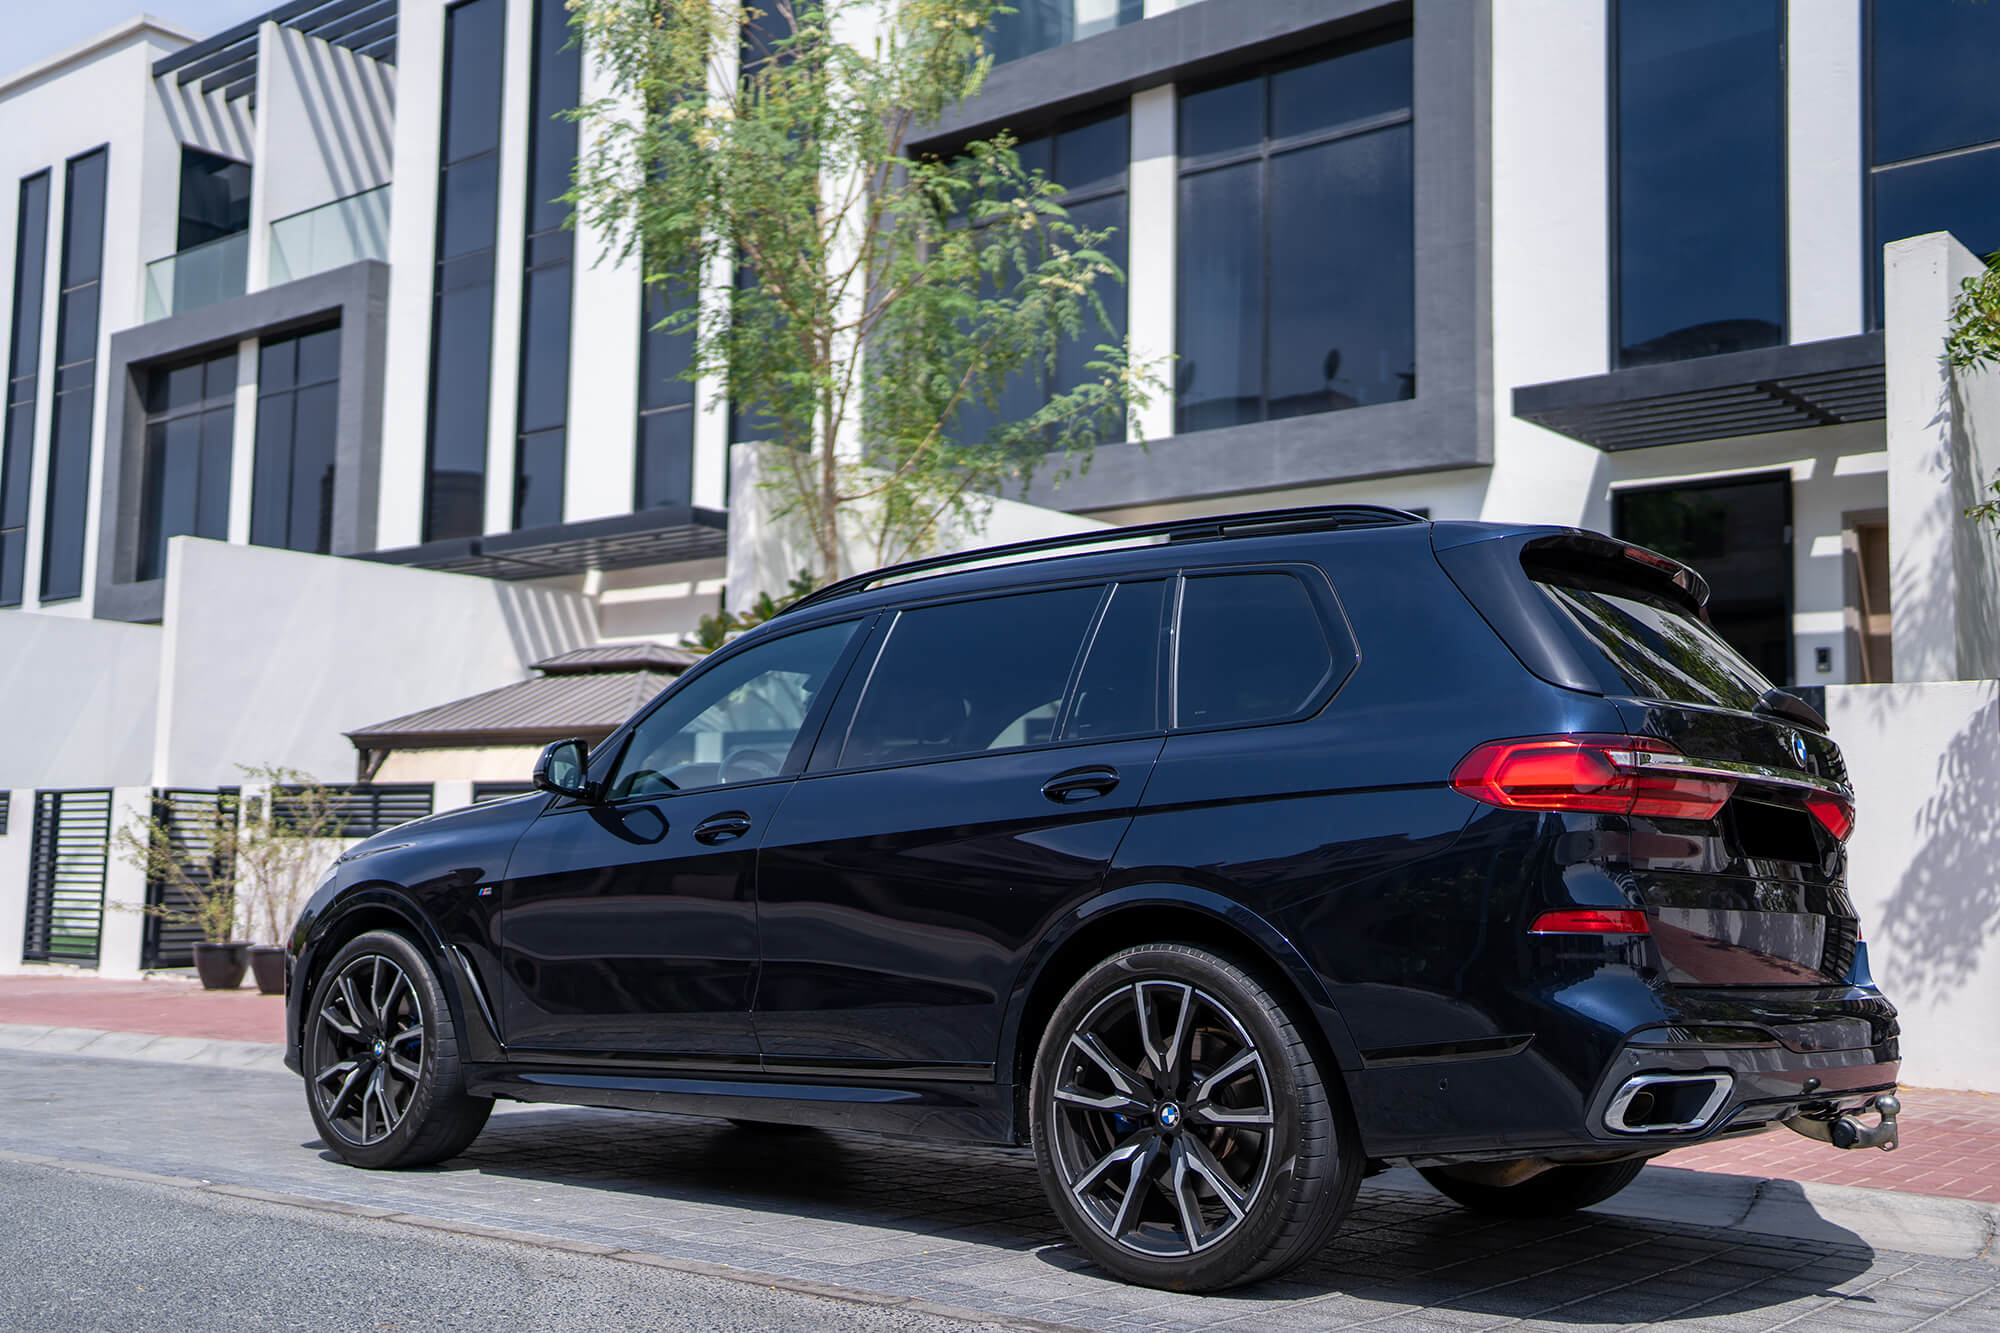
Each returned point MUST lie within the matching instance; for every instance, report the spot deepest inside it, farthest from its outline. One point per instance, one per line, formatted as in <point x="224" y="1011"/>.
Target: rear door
<point x="1756" y="896"/>
<point x="973" y="782"/>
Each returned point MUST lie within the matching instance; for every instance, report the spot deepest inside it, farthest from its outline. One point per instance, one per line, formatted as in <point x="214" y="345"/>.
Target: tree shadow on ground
<point x="1396" y="1247"/>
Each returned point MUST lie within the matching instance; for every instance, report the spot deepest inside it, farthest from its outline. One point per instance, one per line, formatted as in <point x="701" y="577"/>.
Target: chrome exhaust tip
<point x="1667" y="1103"/>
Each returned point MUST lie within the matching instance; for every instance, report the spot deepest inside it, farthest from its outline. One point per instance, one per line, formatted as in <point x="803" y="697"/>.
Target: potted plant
<point x="193" y="858"/>
<point x="284" y="844"/>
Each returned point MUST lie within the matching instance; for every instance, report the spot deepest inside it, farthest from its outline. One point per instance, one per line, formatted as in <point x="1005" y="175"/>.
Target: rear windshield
<point x="1660" y="651"/>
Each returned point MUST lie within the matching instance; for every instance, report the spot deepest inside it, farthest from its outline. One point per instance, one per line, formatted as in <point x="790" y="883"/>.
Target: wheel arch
<point x="1153" y="913"/>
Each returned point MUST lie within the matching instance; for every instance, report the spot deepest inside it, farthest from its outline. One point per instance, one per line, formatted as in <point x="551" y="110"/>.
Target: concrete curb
<point x="1765" y="1206"/>
<point x="1748" y="1205"/>
<point x="693" y="1267"/>
<point x="253" y="1055"/>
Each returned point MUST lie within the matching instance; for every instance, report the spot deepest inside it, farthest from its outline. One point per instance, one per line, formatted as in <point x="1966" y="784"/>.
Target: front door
<point x="980" y="790"/>
<point x="629" y="923"/>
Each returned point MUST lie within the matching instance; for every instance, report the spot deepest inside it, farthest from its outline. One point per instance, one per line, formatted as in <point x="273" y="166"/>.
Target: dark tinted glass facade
<point x="68" y="505"/>
<point x="545" y="287"/>
<point x="190" y="414"/>
<point x="214" y="200"/>
<point x="1737" y="535"/>
<point x="665" y="468"/>
<point x="298" y="409"/>
<point x="1698" y="178"/>
<point x="1933" y="126"/>
<point x="1296" y="244"/>
<point x="1089" y="159"/>
<point x="1037" y="25"/>
<point x="462" y="312"/>
<point x="24" y="358"/>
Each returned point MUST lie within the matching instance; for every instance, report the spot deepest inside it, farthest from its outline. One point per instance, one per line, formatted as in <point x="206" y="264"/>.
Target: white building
<point x="296" y="292"/>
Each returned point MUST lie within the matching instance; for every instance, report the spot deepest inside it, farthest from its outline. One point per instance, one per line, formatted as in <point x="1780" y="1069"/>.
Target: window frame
<point x="152" y="537"/>
<point x="604" y="760"/>
<point x="1614" y="308"/>
<point x="1264" y="152"/>
<point x="1335" y="627"/>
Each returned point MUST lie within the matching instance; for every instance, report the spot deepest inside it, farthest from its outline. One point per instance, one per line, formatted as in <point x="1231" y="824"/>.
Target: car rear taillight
<point x="1591" y="921"/>
<point x="1835" y="813"/>
<point x="1589" y="774"/>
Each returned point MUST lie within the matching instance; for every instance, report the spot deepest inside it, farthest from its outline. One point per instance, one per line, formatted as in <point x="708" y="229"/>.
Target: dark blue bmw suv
<point x="1224" y="862"/>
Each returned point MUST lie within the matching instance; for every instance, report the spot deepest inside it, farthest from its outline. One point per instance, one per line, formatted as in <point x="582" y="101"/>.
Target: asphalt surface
<point x="119" y="1255"/>
<point x="682" y="1210"/>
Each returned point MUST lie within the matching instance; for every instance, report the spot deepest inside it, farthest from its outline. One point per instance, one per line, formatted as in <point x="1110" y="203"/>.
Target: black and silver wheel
<point x="1184" y="1130"/>
<point x="1551" y="1193"/>
<point x="383" y="1079"/>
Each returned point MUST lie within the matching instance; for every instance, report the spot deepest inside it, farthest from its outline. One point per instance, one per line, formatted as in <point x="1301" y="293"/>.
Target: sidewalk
<point x="1950" y="1140"/>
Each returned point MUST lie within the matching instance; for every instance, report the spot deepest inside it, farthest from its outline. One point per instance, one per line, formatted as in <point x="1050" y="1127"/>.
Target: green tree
<point x="865" y="305"/>
<point x="1974" y="344"/>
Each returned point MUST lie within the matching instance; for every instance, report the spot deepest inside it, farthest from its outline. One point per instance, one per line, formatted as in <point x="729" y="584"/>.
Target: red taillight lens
<point x="1587" y="774"/>
<point x="1834" y="812"/>
<point x="1591" y="921"/>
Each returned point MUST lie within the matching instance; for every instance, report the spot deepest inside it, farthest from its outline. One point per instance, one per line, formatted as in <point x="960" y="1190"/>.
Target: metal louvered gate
<point x="187" y="819"/>
<point x="66" y="865"/>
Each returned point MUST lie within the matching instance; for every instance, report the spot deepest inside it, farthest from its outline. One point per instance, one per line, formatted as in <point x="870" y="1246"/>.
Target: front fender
<point x="1136" y="899"/>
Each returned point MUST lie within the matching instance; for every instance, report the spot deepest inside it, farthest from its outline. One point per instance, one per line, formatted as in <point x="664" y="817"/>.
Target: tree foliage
<point x="714" y="631"/>
<point x="1974" y="344"/>
<point x="864" y="305"/>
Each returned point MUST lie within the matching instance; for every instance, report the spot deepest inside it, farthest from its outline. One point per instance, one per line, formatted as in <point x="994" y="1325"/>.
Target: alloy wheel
<point x="1162" y="1118"/>
<point x="368" y="1049"/>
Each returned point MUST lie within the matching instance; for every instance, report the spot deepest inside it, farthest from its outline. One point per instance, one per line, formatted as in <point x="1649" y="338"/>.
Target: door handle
<point x="1080" y="784"/>
<point x="722" y="828"/>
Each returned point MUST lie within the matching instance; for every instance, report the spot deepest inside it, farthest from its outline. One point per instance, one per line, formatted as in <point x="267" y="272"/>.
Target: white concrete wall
<point x="76" y="701"/>
<point x="14" y="851"/>
<point x="1924" y="866"/>
<point x="269" y="656"/>
<point x="1944" y="447"/>
<point x="122" y="936"/>
<point x="1824" y="173"/>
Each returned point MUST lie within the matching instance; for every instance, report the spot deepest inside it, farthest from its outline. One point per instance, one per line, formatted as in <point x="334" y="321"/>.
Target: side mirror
<point x="561" y="770"/>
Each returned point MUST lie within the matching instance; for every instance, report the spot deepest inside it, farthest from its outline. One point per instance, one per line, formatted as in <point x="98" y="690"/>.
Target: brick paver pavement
<point x="161" y="1007"/>
<point x="969" y="1227"/>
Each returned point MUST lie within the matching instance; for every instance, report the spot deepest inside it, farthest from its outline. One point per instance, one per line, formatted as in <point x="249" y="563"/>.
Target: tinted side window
<point x="1252" y="649"/>
<point x="969" y="677"/>
<point x="736" y="723"/>
<point x="1118" y="692"/>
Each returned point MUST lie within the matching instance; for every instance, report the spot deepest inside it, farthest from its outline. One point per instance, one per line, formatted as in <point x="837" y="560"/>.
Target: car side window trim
<point x="1343" y="649"/>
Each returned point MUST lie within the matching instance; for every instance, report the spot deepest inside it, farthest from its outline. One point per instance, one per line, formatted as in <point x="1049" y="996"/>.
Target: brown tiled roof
<point x="587" y="692"/>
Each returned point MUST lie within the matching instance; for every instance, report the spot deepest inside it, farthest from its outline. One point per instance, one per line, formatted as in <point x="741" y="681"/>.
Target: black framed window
<point x="24" y="359"/>
<point x="664" y="474"/>
<point x="214" y="198"/>
<point x="67" y="509"/>
<point x="298" y="412"/>
<point x="1933" y="127"/>
<point x="462" y="304"/>
<point x="545" y="289"/>
<point x="190" y="420"/>
<point x="1037" y="25"/>
<point x="1297" y="246"/>
<point x="1737" y="534"/>
<point x="1698" y="178"/>
<point x="1091" y="160"/>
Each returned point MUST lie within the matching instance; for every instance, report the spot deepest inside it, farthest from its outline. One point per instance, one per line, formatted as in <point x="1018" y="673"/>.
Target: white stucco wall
<point x="1924" y="866"/>
<point x="76" y="701"/>
<point x="270" y="656"/>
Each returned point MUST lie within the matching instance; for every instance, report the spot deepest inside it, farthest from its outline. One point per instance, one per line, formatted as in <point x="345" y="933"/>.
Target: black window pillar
<point x="543" y="403"/>
<point x="24" y="359"/>
<point x="67" y="510"/>
<point x="462" y="304"/>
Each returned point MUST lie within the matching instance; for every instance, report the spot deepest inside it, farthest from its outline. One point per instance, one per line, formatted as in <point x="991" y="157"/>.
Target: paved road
<point x="91" y="1253"/>
<point x="966" y="1229"/>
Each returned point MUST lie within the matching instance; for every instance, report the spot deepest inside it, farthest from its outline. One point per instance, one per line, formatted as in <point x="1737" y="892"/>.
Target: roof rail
<point x="1262" y="523"/>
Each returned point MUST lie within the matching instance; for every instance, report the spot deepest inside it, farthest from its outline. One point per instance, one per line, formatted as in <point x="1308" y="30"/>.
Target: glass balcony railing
<point x="341" y="232"/>
<point x="198" y="276"/>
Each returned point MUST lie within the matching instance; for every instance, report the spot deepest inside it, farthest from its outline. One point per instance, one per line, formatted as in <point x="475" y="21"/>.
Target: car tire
<point x="383" y="1078"/>
<point x="1556" y="1191"/>
<point x="1186" y="1131"/>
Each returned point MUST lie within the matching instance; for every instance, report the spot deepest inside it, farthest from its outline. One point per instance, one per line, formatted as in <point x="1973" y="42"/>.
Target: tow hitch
<point x="1847" y="1131"/>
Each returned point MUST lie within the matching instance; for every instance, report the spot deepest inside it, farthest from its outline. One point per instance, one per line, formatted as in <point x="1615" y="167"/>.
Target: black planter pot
<point x="267" y="964"/>
<point x="221" y="965"/>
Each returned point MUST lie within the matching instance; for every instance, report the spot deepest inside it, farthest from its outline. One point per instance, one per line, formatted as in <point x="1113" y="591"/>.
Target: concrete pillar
<point x="14" y="849"/>
<point x="1943" y="433"/>
<point x="122" y="937"/>
<point x="1152" y="218"/>
<point x="1824" y="174"/>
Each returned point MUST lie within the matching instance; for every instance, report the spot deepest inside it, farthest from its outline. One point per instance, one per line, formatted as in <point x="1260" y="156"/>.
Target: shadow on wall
<point x="1946" y="906"/>
<point x="542" y="623"/>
